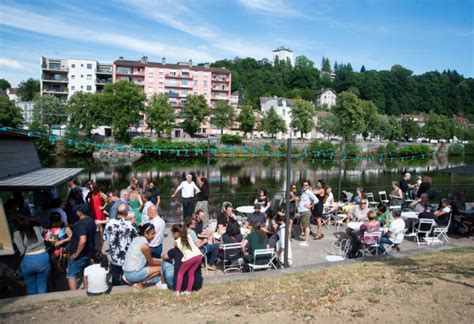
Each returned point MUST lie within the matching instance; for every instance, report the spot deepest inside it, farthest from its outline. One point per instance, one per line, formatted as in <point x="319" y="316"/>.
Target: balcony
<point x="220" y="89"/>
<point x="179" y="76"/>
<point x="102" y="81"/>
<point x="220" y="79"/>
<point x="55" y="90"/>
<point x="177" y="85"/>
<point x="225" y="98"/>
<point x="55" y="68"/>
<point x="172" y="94"/>
<point x="104" y="70"/>
<point x="52" y="79"/>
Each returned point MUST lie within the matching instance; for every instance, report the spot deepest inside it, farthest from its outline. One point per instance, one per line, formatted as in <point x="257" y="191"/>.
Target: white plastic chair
<point x="231" y="266"/>
<point x="339" y="219"/>
<point x="371" y="199"/>
<point x="424" y="222"/>
<point x="327" y="216"/>
<point x="367" y="249"/>
<point x="338" y="252"/>
<point x="383" y="197"/>
<point x="258" y="254"/>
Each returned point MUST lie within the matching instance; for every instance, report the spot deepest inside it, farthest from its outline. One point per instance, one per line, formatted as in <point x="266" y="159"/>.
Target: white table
<point x="249" y="209"/>
<point x="395" y="207"/>
<point x="412" y="216"/>
<point x="355" y="226"/>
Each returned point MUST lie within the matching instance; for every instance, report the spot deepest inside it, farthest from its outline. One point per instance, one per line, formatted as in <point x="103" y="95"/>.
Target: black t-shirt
<point x="203" y="195"/>
<point x="199" y="227"/>
<point x="221" y="220"/>
<point x="155" y="193"/>
<point x="256" y="217"/>
<point x="85" y="227"/>
<point x="176" y="256"/>
<point x="404" y="185"/>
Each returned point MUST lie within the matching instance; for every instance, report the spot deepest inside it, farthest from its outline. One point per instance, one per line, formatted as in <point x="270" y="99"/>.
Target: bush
<point x="457" y="149"/>
<point x="321" y="148"/>
<point x="268" y="148"/>
<point x="231" y="139"/>
<point x="77" y="145"/>
<point x="413" y="150"/>
<point x="350" y="150"/>
<point x="469" y="148"/>
<point x="163" y="144"/>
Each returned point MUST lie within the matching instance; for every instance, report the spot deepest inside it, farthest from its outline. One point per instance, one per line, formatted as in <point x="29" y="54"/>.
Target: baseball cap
<point x="83" y="208"/>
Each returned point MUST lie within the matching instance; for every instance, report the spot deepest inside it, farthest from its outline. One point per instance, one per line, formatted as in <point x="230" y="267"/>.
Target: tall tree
<point x="222" y="115"/>
<point x="246" y="119"/>
<point x="302" y="117"/>
<point x="434" y="127"/>
<point x="195" y="113"/>
<point x="28" y="90"/>
<point x="160" y="115"/>
<point x="396" y="132"/>
<point x="10" y="114"/>
<point x="4" y="84"/>
<point x="48" y="111"/>
<point x="410" y="128"/>
<point x="85" y="112"/>
<point x="328" y="124"/>
<point x="273" y="124"/>
<point x="350" y="113"/>
<point x="123" y="102"/>
<point x="362" y="69"/>
<point x="325" y="65"/>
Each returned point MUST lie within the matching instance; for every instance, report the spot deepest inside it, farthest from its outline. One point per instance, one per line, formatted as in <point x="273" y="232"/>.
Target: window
<point x="161" y="72"/>
<point x="204" y="94"/>
<point x="73" y="87"/>
<point x="161" y="82"/>
<point x="195" y="83"/>
<point x="89" y="77"/>
<point x="73" y="77"/>
<point x="73" y="66"/>
<point x="184" y="82"/>
<point x="150" y="79"/>
<point x="82" y="87"/>
<point x="82" y="76"/>
<point x="213" y="95"/>
<point x="195" y="93"/>
<point x="185" y="92"/>
<point x="82" y="65"/>
<point x="150" y="89"/>
<point x="89" y="88"/>
<point x="172" y="73"/>
<point x="205" y="83"/>
<point x="89" y="66"/>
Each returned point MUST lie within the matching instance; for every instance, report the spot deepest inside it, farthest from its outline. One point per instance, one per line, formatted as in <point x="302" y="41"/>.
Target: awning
<point x="465" y="169"/>
<point x="41" y="179"/>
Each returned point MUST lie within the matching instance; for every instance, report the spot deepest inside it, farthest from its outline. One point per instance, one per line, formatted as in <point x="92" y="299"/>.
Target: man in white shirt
<point x="307" y="201"/>
<point x="188" y="190"/>
<point x="280" y="245"/>
<point x="359" y="212"/>
<point x="156" y="245"/>
<point x="395" y="234"/>
<point x="147" y="203"/>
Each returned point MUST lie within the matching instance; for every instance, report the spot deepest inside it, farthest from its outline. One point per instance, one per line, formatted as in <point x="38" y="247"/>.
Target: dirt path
<point x="437" y="288"/>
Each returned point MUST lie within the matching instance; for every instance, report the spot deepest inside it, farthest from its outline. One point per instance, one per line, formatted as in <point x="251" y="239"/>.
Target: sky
<point x="421" y="35"/>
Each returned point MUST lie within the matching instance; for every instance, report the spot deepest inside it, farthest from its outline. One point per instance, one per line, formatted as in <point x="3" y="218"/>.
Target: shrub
<point x="457" y="149"/>
<point x="77" y="145"/>
<point x="350" y="150"/>
<point x="321" y="148"/>
<point x="267" y="148"/>
<point x="231" y="139"/>
<point x="469" y="148"/>
<point x="414" y="150"/>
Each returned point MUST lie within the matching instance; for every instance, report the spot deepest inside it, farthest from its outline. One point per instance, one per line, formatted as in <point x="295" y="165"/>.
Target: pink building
<point x="177" y="81"/>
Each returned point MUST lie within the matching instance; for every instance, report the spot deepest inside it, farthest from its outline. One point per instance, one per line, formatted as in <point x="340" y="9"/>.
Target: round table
<point x="355" y="226"/>
<point x="413" y="217"/>
<point x="248" y="209"/>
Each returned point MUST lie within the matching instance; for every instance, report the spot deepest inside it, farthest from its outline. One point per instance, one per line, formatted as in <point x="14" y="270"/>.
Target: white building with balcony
<point x="326" y="98"/>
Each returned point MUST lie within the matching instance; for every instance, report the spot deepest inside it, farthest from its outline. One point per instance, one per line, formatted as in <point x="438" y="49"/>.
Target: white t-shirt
<point x="281" y="245"/>
<point x="397" y="226"/>
<point x="145" y="217"/>
<point x="329" y="200"/>
<point x="159" y="225"/>
<point x="188" y="189"/>
<point x="96" y="279"/>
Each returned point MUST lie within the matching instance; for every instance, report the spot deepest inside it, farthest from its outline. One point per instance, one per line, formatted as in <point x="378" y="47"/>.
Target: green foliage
<point x="302" y="117"/>
<point x="42" y="144"/>
<point x="469" y="148"/>
<point x="122" y="104"/>
<point x="396" y="132"/>
<point x="350" y="150"/>
<point x="325" y="65"/>
<point x="194" y="113"/>
<point x="75" y="144"/>
<point x="267" y="148"/>
<point x="434" y="127"/>
<point x="272" y="123"/>
<point x="410" y="128"/>
<point x="413" y="150"/>
<point x="160" y="114"/>
<point x="231" y="139"/>
<point x="4" y="84"/>
<point x="28" y="90"/>
<point x="246" y="119"/>
<point x="10" y="114"/>
<point x="163" y="144"/>
<point x="350" y="114"/>
<point x="456" y="149"/>
<point x="48" y="110"/>
<point x="85" y="112"/>
<point x="222" y="115"/>
<point x="321" y="148"/>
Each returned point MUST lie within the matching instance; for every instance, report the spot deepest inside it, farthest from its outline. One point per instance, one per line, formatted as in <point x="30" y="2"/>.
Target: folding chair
<point x="327" y="216"/>
<point x="367" y="248"/>
<point x="423" y="229"/>
<point x="204" y="256"/>
<point x="230" y="250"/>
<point x="339" y="219"/>
<point x="399" y="237"/>
<point x="258" y="254"/>
<point x="371" y="199"/>
<point x="438" y="232"/>
<point x="383" y="197"/>
<point x="338" y="252"/>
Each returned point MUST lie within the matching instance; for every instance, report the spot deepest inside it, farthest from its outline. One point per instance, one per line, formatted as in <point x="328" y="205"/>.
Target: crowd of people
<point x="117" y="238"/>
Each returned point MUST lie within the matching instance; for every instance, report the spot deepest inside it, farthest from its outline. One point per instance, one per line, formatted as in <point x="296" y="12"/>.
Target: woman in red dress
<point x="95" y="199"/>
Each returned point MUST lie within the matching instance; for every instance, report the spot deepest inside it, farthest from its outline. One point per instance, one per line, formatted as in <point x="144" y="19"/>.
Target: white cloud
<point x="10" y="64"/>
<point x="272" y="7"/>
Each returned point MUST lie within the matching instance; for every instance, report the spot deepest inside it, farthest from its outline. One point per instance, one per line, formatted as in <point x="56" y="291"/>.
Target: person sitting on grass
<point x="204" y="244"/>
<point x="96" y="276"/>
<point x="172" y="261"/>
<point x="139" y="265"/>
<point x="394" y="236"/>
<point x="256" y="240"/>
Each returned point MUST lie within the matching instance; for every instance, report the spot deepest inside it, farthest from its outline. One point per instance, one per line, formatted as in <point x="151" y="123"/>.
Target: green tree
<point x="396" y="132"/>
<point x="122" y="103"/>
<point x="410" y="128"/>
<point x="195" y="113"/>
<point x="272" y="123"/>
<point x="85" y="112"/>
<point x="328" y="124"/>
<point x="4" y="84"/>
<point x="302" y="117"/>
<point x="48" y="111"/>
<point x="372" y="120"/>
<point x="434" y="127"/>
<point x="325" y="65"/>
<point x="222" y="115"/>
<point x="246" y="119"/>
<point x="160" y="115"/>
<point x="28" y="90"/>
<point x="10" y="114"/>
<point x="350" y="113"/>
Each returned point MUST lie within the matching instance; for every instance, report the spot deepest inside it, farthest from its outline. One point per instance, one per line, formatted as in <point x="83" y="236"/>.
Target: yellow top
<point x="188" y="253"/>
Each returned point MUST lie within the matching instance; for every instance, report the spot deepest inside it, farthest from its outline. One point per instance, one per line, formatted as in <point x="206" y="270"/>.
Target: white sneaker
<point x="304" y="243"/>
<point x="185" y="293"/>
<point x="161" y="285"/>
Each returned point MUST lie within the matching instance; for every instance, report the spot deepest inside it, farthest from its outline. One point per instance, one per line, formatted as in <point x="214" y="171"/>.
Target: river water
<point x="238" y="180"/>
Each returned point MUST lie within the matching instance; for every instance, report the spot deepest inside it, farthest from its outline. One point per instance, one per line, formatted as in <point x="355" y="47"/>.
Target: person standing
<point x="156" y="244"/>
<point x="74" y="198"/>
<point x="320" y="193"/>
<point x="36" y="265"/>
<point x="81" y="245"/>
<point x="188" y="189"/>
<point x="396" y="196"/>
<point x="155" y="193"/>
<point x="147" y="203"/>
<point x="202" y="199"/>
<point x="405" y="185"/>
<point x="94" y="199"/>
<point x="118" y="234"/>
<point x="136" y="202"/>
<point x="307" y="201"/>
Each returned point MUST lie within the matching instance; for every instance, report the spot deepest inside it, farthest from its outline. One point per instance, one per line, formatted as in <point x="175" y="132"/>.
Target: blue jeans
<point x="384" y="240"/>
<point x="76" y="266"/>
<point x="156" y="251"/>
<point x="168" y="273"/>
<point x="211" y="252"/>
<point x="35" y="270"/>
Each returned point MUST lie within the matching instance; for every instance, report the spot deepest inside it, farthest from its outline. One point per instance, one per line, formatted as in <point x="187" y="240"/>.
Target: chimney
<point x="163" y="60"/>
<point x="144" y="59"/>
<point x="190" y="63"/>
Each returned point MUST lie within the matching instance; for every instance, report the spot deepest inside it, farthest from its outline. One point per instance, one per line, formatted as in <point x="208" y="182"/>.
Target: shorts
<point x="76" y="266"/>
<point x="136" y="276"/>
<point x="168" y="273"/>
<point x="304" y="219"/>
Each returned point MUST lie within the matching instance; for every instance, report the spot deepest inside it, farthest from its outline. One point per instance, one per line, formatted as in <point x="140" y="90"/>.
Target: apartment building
<point x="64" y="77"/>
<point x="177" y="81"/>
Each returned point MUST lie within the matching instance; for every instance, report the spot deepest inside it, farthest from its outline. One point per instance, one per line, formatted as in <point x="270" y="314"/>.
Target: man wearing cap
<point x="257" y="216"/>
<point x="81" y="245"/>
